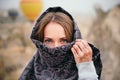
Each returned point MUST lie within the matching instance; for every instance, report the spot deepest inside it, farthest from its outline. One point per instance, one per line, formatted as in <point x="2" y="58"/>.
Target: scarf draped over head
<point x="56" y="63"/>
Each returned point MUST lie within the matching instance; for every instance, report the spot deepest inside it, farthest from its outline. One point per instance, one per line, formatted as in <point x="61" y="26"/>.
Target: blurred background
<point x="98" y="20"/>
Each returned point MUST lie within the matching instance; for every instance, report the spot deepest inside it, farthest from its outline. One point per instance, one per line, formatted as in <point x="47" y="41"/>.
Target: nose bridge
<point x="56" y="44"/>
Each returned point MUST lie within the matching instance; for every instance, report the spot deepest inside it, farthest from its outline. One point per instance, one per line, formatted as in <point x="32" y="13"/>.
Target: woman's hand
<point x="82" y="51"/>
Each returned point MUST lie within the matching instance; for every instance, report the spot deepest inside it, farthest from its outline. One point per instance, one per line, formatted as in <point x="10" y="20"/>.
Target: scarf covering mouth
<point x="56" y="63"/>
<point x="56" y="57"/>
<point x="52" y="64"/>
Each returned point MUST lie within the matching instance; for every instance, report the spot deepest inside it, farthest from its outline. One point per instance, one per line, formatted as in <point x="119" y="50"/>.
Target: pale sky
<point x="73" y="6"/>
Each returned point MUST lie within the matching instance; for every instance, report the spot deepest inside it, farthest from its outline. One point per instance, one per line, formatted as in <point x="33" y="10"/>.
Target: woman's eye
<point x="47" y="41"/>
<point x="64" y="41"/>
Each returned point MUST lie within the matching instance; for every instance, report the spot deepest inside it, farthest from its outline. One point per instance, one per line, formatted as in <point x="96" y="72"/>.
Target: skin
<point x="53" y="38"/>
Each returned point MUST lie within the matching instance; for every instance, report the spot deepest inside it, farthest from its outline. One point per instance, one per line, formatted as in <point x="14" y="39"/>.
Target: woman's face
<point x="54" y="35"/>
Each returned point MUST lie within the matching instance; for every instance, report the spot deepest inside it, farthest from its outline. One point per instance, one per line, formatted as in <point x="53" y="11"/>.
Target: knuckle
<point x="72" y="48"/>
<point x="78" y="40"/>
<point x="75" y="46"/>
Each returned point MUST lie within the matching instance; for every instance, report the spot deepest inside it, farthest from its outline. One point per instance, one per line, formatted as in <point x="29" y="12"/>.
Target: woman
<point x="62" y="54"/>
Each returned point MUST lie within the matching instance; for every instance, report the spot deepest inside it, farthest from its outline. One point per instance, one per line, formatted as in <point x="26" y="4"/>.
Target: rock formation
<point x="105" y="34"/>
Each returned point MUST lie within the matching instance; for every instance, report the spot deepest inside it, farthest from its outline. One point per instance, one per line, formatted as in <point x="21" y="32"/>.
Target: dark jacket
<point x="56" y="63"/>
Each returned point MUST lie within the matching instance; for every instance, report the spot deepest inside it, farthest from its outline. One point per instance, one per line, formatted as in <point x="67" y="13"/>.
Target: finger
<point x="81" y="40"/>
<point x="78" y="40"/>
<point x="85" y="43"/>
<point x="87" y="47"/>
<point x="84" y="46"/>
<point x="74" y="52"/>
<point x="78" y="51"/>
<point x="81" y="46"/>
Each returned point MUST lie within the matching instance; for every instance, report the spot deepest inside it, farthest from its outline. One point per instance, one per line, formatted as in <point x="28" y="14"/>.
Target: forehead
<point x="54" y="29"/>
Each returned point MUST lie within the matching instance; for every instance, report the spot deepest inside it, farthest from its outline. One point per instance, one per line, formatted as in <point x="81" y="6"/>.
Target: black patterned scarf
<point x="56" y="63"/>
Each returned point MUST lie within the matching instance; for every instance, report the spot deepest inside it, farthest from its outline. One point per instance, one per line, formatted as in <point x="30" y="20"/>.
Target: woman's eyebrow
<point x="47" y="37"/>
